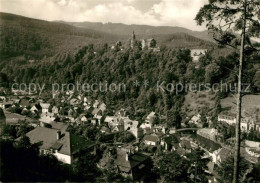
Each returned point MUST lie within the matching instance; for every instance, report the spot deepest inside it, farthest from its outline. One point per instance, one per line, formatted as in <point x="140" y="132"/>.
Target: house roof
<point x="151" y="115"/>
<point x="24" y="102"/>
<point x="67" y="144"/>
<point x="96" y="103"/>
<point x="37" y="106"/>
<point x="186" y="144"/>
<point x="47" y="119"/>
<point x="73" y="101"/>
<point x="105" y="129"/>
<point x="224" y="153"/>
<point x="59" y="126"/>
<point x="95" y="111"/>
<point x="13" y="118"/>
<point x="134" y="160"/>
<point x="109" y="119"/>
<point x="152" y="138"/>
<point x="45" y="105"/>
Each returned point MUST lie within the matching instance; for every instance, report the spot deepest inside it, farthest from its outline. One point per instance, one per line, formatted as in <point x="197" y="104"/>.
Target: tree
<point x="2" y="117"/>
<point x="86" y="167"/>
<point x="226" y="18"/>
<point x="212" y="73"/>
<point x="172" y="167"/>
<point x="174" y="119"/>
<point x="199" y="165"/>
<point x="253" y="175"/>
<point x="225" y="170"/>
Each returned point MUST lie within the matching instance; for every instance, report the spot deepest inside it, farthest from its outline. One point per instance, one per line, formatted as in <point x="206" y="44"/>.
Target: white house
<point x="229" y="118"/>
<point x="45" y="108"/>
<point x="197" y="53"/>
<point x="58" y="143"/>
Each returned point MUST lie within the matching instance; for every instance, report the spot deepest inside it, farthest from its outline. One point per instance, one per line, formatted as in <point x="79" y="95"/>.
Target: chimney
<point x="58" y="134"/>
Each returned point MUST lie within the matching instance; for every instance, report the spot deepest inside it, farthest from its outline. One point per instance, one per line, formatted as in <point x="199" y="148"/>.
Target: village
<point x="133" y="142"/>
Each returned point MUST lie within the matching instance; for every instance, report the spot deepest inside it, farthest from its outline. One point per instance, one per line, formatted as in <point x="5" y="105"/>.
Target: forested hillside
<point x="127" y="66"/>
<point x="26" y="36"/>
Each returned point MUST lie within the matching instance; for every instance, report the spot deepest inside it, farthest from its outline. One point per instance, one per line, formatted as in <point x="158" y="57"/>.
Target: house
<point x="71" y="112"/>
<point x="160" y="128"/>
<point x="24" y="103"/>
<point x="104" y="129"/>
<point x="97" y="112"/>
<point x="47" y="119"/>
<point x="209" y="133"/>
<point x="63" y="145"/>
<point x="2" y="101"/>
<point x="149" y="121"/>
<point x="222" y="154"/>
<point x="2" y="98"/>
<point x="111" y="121"/>
<point x="98" y="119"/>
<point x="128" y="123"/>
<point x="229" y="118"/>
<point x="197" y="53"/>
<point x="152" y="140"/>
<point x="103" y="107"/>
<point x="169" y="142"/>
<point x="55" y="110"/>
<point x="74" y="101"/>
<point x="149" y="43"/>
<point x="6" y="104"/>
<point x="185" y="145"/>
<point x="36" y="108"/>
<point x="132" y="165"/>
<point x="121" y="113"/>
<point x="45" y="108"/>
<point x="172" y="130"/>
<point x="14" y="118"/>
<point x="196" y="119"/>
<point x="59" y="126"/>
<point x="137" y="132"/>
<point x="83" y="118"/>
<point x="117" y="127"/>
<point x="96" y="103"/>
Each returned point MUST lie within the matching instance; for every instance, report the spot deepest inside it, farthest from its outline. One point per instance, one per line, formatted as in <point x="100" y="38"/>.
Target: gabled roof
<point x="59" y="126"/>
<point x="134" y="160"/>
<point x="67" y="144"/>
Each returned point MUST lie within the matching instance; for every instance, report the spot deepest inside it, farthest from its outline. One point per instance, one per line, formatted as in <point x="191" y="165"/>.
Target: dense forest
<point x="98" y="63"/>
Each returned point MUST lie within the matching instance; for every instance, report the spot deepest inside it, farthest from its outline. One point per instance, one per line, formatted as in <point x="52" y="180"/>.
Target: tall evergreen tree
<point x="226" y="18"/>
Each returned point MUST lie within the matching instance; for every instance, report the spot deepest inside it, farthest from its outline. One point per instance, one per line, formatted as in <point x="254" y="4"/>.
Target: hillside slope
<point x="22" y="35"/>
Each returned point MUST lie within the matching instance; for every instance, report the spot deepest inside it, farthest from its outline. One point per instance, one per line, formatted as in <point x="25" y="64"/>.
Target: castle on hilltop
<point x="144" y="43"/>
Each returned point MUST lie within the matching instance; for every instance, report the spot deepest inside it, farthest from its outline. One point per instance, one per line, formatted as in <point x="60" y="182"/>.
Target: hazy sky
<point x="150" y="12"/>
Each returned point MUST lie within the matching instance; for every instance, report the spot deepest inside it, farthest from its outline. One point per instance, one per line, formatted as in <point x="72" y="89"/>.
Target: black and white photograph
<point x="150" y="91"/>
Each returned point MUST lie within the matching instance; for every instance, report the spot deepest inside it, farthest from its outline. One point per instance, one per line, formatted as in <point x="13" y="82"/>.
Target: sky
<point x="149" y="12"/>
